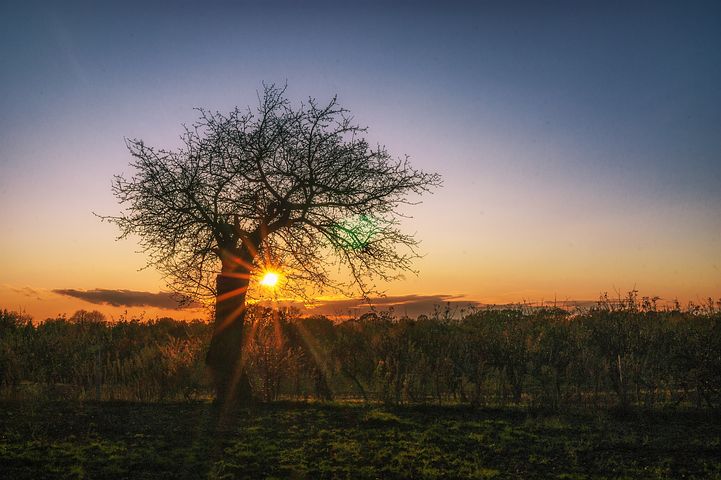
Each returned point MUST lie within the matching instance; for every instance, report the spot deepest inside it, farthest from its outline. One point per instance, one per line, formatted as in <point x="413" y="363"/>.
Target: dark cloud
<point x="402" y="305"/>
<point x="26" y="291"/>
<point x="410" y="305"/>
<point x="128" y="298"/>
<point x="415" y="305"/>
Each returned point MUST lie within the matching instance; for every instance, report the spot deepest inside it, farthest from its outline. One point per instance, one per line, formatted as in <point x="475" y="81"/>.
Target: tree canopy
<point x="297" y="188"/>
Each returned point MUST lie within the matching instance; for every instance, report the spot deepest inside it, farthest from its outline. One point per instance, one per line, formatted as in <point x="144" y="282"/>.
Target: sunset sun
<point x="270" y="279"/>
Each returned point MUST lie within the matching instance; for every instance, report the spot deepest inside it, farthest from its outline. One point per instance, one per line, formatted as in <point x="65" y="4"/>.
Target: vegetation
<point x="618" y="356"/>
<point x="619" y="391"/>
<point x="259" y="188"/>
<point x="323" y="441"/>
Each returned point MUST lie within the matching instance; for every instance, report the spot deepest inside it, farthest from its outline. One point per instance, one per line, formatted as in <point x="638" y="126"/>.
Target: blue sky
<point x="580" y="142"/>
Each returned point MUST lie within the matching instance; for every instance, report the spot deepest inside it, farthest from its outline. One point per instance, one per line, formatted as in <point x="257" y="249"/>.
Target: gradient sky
<point x="580" y="143"/>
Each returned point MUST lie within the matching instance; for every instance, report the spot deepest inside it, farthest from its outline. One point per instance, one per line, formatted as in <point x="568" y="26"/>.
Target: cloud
<point x="415" y="305"/>
<point x="127" y="298"/>
<point x="410" y="305"/>
<point x="402" y="305"/>
<point x="25" y="291"/>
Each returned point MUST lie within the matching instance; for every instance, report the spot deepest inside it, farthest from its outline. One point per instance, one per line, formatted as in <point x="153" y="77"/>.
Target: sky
<point x="579" y="142"/>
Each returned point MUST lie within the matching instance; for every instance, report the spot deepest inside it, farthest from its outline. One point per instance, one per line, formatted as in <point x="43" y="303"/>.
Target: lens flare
<point x="270" y="279"/>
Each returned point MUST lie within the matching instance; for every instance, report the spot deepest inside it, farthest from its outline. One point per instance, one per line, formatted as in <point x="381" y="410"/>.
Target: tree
<point x="296" y="189"/>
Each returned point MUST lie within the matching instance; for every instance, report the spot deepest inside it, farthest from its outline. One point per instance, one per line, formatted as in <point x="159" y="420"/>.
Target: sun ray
<point x="251" y="247"/>
<point x="231" y="317"/>
<point x="277" y="329"/>
<point x="233" y="293"/>
<point x="239" y="363"/>
<point x="236" y="275"/>
<point x="315" y="349"/>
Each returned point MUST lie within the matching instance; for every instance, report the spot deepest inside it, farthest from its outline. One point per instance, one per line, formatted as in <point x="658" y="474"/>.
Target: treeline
<point x="86" y="357"/>
<point x="615" y="354"/>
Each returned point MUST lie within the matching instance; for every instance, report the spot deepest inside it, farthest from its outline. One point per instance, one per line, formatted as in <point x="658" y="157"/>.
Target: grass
<point x="307" y="440"/>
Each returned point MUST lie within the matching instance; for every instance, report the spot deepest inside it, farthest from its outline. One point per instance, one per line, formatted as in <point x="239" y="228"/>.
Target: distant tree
<point x="276" y="187"/>
<point x="89" y="317"/>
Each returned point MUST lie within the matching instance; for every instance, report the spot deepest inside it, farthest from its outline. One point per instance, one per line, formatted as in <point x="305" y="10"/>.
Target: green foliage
<point x="85" y="357"/>
<point x="104" y="440"/>
<point x="615" y="355"/>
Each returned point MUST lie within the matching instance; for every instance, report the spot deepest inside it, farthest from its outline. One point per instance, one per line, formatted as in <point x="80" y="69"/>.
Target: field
<point x="625" y="391"/>
<point x="335" y="440"/>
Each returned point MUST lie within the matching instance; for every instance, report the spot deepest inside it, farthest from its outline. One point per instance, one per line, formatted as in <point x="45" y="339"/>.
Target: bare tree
<point x="292" y="188"/>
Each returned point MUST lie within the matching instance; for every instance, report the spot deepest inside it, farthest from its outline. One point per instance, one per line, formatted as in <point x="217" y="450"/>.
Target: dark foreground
<point x="183" y="440"/>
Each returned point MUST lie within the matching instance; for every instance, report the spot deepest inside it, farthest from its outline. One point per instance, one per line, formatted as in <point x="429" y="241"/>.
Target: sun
<point x="270" y="279"/>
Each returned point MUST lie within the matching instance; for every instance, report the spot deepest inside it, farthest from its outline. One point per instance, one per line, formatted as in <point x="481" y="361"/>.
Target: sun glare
<point x="270" y="279"/>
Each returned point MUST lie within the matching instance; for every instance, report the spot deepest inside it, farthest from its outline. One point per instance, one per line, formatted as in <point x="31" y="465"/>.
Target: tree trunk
<point x="226" y="356"/>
